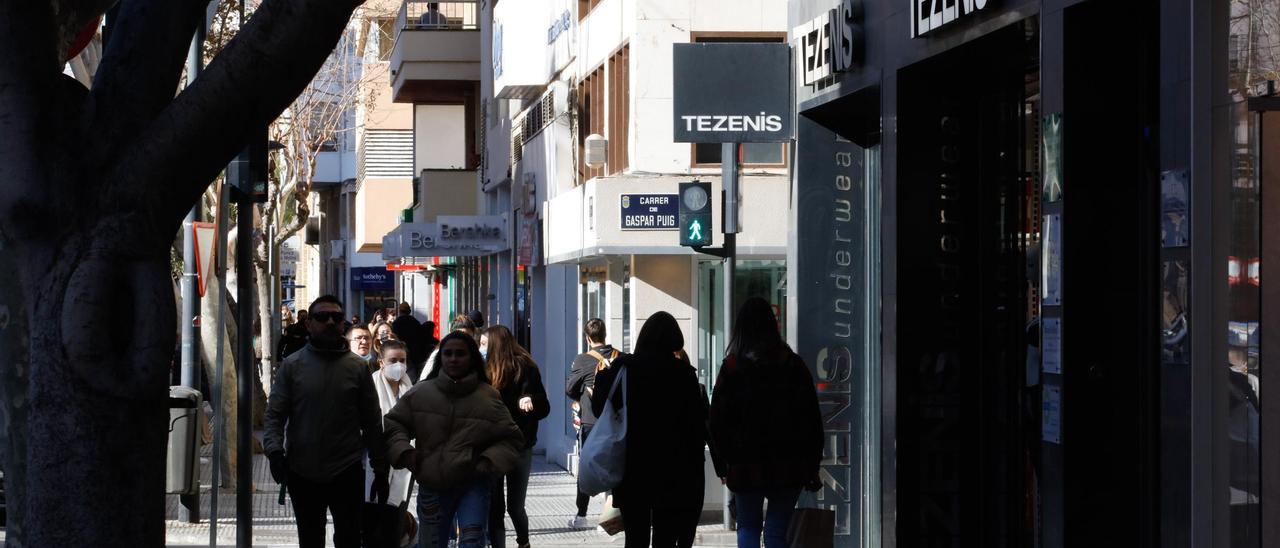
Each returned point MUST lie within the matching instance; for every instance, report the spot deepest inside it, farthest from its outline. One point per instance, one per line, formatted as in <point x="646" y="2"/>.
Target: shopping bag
<point x="811" y="528"/>
<point x="611" y="518"/>
<point x="604" y="455"/>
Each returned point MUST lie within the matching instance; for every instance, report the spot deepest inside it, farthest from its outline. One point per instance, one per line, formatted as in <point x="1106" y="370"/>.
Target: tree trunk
<point x="13" y="388"/>
<point x="208" y="348"/>
<point x="98" y="414"/>
<point x="93" y="184"/>
<point x="264" y="344"/>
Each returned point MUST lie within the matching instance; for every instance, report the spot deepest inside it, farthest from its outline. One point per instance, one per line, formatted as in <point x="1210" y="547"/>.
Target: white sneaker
<point x="578" y="522"/>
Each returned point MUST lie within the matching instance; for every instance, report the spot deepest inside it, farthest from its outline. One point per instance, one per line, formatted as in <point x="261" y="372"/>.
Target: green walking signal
<point x="695" y="214"/>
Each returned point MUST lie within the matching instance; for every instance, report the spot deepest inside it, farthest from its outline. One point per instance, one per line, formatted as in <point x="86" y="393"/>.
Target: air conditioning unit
<point x="597" y="150"/>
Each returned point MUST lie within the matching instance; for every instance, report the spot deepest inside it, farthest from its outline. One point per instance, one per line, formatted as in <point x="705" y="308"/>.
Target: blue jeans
<point x="751" y="515"/>
<point x="467" y="503"/>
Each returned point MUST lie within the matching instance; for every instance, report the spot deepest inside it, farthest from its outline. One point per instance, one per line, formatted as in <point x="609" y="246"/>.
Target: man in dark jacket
<point x="324" y="397"/>
<point x="408" y="329"/>
<point x="582" y="377"/>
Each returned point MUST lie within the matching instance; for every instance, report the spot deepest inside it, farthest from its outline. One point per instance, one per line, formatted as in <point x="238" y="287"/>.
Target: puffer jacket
<point x="463" y="431"/>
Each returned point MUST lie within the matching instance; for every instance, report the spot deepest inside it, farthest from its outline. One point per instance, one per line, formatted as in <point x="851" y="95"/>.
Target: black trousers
<point x="672" y="528"/>
<point x="583" y="498"/>
<point x="342" y="496"/>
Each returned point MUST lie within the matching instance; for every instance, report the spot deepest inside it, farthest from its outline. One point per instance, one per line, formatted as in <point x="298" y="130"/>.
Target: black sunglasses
<point x="325" y="317"/>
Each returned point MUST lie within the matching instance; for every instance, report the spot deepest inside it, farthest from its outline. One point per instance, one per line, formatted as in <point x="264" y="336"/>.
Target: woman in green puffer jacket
<point x="465" y="439"/>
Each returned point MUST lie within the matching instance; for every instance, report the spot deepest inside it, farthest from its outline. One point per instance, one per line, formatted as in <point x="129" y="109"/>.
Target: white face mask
<point x="393" y="371"/>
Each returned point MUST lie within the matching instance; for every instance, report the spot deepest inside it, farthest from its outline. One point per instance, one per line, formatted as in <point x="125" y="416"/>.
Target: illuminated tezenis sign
<point x="930" y="15"/>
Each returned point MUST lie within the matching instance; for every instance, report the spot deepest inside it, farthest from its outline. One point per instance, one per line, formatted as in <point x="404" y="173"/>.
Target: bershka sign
<point x="460" y="236"/>
<point x="732" y="93"/>
<point x="930" y="15"/>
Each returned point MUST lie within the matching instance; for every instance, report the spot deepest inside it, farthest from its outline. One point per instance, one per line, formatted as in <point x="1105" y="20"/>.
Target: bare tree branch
<point x="285" y="42"/>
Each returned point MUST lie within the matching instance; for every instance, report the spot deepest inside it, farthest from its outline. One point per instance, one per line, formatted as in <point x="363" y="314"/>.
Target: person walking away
<point x="461" y="324"/>
<point x="324" y="396"/>
<point x="382" y="522"/>
<point x="294" y="338"/>
<point x="513" y="372"/>
<point x="662" y="486"/>
<point x="766" y="427"/>
<point x="429" y="343"/>
<point x="361" y="343"/>
<point x="408" y="329"/>
<point x="582" y="377"/>
<point x="465" y="439"/>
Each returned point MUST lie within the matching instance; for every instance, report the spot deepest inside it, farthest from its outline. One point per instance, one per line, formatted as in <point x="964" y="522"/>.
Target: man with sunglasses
<point x="324" y="398"/>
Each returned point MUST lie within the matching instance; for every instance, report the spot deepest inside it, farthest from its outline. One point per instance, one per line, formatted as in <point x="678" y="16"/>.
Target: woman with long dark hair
<point x="661" y="489"/>
<point x="512" y="371"/>
<point x="465" y="439"/>
<point x="765" y="426"/>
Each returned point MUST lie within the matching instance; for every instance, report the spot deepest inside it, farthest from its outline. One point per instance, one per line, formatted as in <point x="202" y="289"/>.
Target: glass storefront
<point x="1253" y="58"/>
<point x="753" y="278"/>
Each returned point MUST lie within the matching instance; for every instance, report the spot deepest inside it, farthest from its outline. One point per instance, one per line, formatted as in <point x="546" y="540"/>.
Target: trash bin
<point x="182" y="460"/>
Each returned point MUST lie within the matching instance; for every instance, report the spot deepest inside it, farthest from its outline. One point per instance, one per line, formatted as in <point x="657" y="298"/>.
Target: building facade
<point x="1032" y="284"/>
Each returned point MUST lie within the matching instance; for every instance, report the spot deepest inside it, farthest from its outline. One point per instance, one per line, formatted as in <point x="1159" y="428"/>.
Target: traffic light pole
<point x="729" y="178"/>
<point x="189" y="510"/>
<point x="244" y="365"/>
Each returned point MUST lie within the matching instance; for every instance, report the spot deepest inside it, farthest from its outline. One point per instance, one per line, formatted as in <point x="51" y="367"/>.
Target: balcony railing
<point x="418" y="15"/>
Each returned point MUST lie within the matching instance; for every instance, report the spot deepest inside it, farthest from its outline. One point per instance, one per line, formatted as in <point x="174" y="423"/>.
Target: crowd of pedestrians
<point x="356" y="420"/>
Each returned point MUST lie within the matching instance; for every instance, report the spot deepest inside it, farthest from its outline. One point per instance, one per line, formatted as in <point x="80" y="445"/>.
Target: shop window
<point x="753" y="154"/>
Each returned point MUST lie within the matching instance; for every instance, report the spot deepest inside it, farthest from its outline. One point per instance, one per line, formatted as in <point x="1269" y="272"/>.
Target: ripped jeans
<point x="467" y="503"/>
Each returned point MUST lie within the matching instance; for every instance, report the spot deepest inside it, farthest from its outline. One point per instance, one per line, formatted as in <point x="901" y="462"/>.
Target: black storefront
<point x="1030" y="277"/>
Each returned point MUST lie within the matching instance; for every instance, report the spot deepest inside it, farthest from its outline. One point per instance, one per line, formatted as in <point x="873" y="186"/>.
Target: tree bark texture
<point x="209" y="351"/>
<point x="93" y="185"/>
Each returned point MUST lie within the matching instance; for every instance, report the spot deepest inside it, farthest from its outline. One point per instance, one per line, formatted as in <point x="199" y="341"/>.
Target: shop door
<point x="1254" y="429"/>
<point x="1105" y="463"/>
<point x="967" y="410"/>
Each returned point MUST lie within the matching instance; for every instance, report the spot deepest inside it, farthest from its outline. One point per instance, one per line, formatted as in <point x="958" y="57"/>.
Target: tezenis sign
<point x="930" y="15"/>
<point x="831" y="42"/>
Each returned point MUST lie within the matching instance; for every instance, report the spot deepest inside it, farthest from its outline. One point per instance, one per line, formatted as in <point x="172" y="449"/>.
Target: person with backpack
<point x="582" y="376"/>
<point x="766" y="428"/>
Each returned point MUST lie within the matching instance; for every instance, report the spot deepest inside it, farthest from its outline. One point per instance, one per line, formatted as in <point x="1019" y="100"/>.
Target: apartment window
<point x="753" y="154"/>
<point x="585" y="7"/>
<point x="619" y="113"/>
<point x="604" y="98"/>
<point x="591" y="119"/>
<point x="386" y="37"/>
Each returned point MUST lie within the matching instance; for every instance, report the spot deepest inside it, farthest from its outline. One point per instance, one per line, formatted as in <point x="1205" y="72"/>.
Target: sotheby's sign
<point x="732" y="92"/>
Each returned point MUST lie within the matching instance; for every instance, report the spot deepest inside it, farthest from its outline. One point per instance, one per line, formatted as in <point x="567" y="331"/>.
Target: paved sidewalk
<point x="550" y="504"/>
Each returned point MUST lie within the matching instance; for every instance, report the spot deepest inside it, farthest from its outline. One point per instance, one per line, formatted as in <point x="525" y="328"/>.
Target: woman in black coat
<point x="766" y="427"/>
<point x="666" y="432"/>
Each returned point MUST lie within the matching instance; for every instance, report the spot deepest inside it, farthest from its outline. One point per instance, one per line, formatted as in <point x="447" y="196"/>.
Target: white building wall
<point x="438" y="141"/>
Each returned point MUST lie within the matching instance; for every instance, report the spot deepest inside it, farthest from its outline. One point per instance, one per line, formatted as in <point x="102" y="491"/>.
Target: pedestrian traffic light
<point x="695" y="214"/>
<point x="248" y="171"/>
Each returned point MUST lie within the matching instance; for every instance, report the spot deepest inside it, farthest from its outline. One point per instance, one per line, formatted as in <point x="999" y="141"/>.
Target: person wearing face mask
<point x="465" y="439"/>
<point x="361" y="342"/>
<point x="323" y="399"/>
<point x="383" y="523"/>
